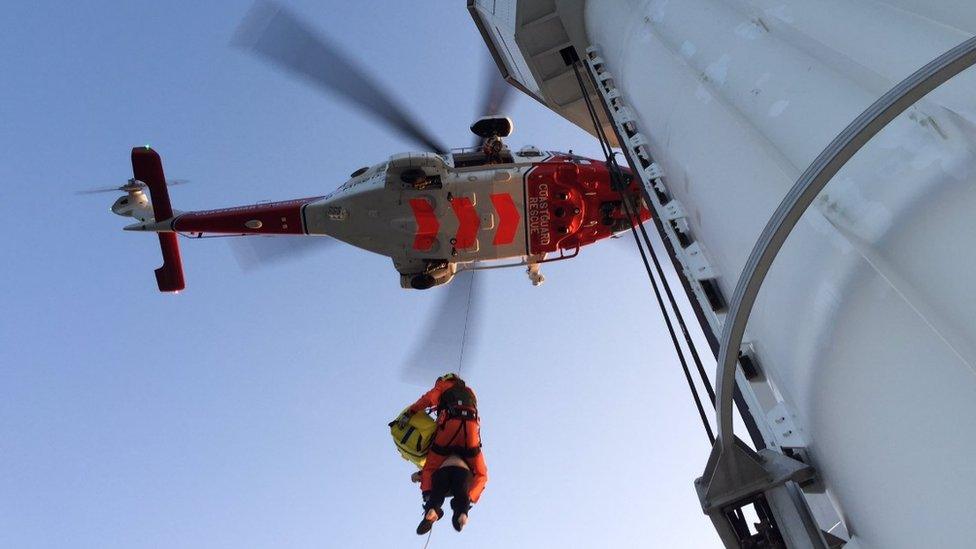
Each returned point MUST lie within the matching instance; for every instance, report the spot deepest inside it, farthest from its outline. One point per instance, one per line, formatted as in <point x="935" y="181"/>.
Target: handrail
<point x="796" y="202"/>
<point x="562" y="256"/>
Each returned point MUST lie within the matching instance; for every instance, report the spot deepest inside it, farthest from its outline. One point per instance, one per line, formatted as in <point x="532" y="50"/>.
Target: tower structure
<point x="859" y="361"/>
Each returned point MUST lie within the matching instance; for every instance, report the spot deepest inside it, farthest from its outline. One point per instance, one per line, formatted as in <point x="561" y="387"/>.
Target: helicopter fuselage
<point x="431" y="213"/>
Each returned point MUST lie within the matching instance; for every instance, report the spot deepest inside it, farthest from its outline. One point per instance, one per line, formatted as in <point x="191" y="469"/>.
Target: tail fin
<point x="148" y="168"/>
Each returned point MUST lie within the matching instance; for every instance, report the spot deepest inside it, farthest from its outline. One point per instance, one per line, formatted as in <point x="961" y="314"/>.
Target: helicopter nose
<point x="120" y="204"/>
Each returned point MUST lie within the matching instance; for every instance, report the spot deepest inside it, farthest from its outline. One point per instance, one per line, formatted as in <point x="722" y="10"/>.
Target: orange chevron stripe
<point x="508" y="218"/>
<point x="468" y="222"/>
<point x="427" y="224"/>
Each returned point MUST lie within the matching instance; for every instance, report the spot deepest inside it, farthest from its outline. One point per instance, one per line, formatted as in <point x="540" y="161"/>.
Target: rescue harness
<point x="415" y="438"/>
<point x="457" y="403"/>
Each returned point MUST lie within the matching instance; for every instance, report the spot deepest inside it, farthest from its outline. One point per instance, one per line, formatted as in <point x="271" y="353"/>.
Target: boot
<point x="430" y="517"/>
<point x="459" y="520"/>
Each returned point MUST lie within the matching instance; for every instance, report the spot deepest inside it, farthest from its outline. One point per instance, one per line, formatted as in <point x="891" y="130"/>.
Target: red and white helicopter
<point x="434" y="213"/>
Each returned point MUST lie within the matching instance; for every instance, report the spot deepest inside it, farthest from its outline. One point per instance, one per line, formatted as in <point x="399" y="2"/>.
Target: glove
<point x="403" y="420"/>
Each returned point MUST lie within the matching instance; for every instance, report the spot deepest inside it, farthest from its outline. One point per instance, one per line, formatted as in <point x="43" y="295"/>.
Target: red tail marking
<point x="508" y="218"/>
<point x="148" y="168"/>
<point x="427" y="224"/>
<point x="169" y="277"/>
<point x="468" y="222"/>
<point x="275" y="217"/>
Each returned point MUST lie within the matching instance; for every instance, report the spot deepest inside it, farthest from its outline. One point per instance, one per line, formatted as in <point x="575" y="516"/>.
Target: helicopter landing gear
<point x="534" y="270"/>
<point x="422" y="281"/>
<point x="425" y="274"/>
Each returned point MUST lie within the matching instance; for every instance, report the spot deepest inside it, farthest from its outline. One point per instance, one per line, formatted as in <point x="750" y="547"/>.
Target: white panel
<point x="498" y="17"/>
<point x="867" y="321"/>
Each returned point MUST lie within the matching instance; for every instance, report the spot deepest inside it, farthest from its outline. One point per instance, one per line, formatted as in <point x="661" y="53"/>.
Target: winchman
<point x="492" y="149"/>
<point x="455" y="465"/>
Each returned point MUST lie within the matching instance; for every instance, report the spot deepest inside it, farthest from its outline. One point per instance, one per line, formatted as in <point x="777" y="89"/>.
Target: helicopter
<point x="435" y="213"/>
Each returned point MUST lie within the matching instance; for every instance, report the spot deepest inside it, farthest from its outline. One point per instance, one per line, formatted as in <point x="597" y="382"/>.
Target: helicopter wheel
<point x="422" y="282"/>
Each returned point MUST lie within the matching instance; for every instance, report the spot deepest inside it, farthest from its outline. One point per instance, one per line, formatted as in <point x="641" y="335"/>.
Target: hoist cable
<point x="464" y="335"/>
<point x="464" y="332"/>
<point x="608" y="152"/>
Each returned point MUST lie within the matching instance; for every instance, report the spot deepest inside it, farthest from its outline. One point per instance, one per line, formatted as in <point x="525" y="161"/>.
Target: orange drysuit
<point x="456" y="434"/>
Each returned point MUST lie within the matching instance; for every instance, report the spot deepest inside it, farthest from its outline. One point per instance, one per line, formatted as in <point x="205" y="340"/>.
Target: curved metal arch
<point x="796" y="202"/>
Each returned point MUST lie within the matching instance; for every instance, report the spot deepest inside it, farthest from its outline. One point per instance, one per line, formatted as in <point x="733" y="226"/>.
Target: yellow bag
<point x="413" y="441"/>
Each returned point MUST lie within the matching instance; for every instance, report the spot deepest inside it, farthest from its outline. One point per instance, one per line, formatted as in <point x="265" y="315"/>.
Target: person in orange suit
<point x="455" y="464"/>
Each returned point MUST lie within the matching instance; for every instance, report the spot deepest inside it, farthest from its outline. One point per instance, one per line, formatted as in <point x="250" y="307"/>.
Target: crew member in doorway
<point x="455" y="465"/>
<point x="492" y="149"/>
<point x="416" y="177"/>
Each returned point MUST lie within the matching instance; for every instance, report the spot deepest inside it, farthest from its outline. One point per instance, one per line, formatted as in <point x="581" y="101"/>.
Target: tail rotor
<point x="131" y="186"/>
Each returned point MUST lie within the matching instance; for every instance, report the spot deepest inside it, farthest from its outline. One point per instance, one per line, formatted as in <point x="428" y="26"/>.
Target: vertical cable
<point x="612" y="163"/>
<point x="467" y="314"/>
<point x="660" y="272"/>
<point x="614" y="174"/>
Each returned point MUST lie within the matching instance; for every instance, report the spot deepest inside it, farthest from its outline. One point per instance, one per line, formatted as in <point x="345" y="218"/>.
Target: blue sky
<point x="251" y="410"/>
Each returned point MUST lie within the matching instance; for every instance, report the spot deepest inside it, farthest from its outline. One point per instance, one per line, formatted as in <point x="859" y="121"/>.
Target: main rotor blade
<point x="281" y="38"/>
<point x="253" y="252"/>
<point x="450" y="333"/>
<point x="496" y="93"/>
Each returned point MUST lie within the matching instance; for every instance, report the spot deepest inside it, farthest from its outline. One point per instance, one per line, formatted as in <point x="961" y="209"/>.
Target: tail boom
<point x="281" y="218"/>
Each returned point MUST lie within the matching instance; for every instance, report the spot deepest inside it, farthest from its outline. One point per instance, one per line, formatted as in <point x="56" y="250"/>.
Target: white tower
<point x="864" y="330"/>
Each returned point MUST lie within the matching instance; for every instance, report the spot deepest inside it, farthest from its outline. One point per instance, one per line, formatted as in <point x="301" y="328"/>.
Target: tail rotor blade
<point x="100" y="190"/>
<point x="450" y="333"/>
<point x="272" y="32"/>
<point x="130" y="186"/>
